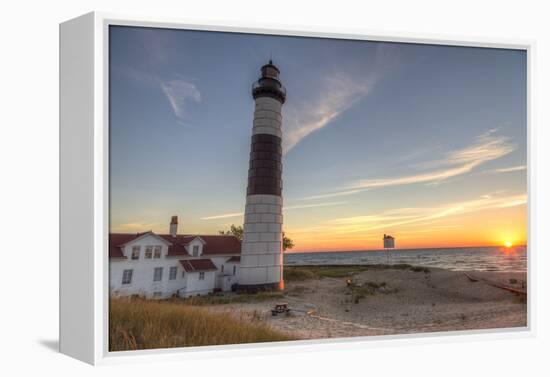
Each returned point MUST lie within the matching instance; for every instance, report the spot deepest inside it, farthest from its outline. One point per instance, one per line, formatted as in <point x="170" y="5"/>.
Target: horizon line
<point x="396" y="249"/>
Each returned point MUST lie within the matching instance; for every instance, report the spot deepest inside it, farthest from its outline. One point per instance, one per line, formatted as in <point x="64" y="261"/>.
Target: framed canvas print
<point x="225" y="188"/>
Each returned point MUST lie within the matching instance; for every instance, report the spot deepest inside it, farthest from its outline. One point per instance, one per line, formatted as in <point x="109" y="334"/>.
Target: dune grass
<point x="232" y="298"/>
<point x="301" y="273"/>
<point x="141" y="324"/>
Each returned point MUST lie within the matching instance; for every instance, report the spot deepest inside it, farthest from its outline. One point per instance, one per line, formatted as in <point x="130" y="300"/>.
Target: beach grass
<point x="360" y="292"/>
<point x="292" y="273"/>
<point x="301" y="273"/>
<point x="232" y="298"/>
<point x="136" y="324"/>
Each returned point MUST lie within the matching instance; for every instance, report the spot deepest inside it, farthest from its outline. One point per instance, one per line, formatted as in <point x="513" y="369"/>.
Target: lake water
<point x="457" y="259"/>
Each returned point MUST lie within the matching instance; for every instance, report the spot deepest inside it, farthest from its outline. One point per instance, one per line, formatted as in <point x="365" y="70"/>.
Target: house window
<point x="157" y="294"/>
<point x="201" y="275"/>
<point x="222" y="268"/>
<point x="234" y="270"/>
<point x="173" y="273"/>
<point x="158" y="274"/>
<point x="182" y="274"/>
<point x="127" y="277"/>
<point x="196" y="250"/>
<point x="157" y="252"/>
<point x="149" y="252"/>
<point x="135" y="252"/>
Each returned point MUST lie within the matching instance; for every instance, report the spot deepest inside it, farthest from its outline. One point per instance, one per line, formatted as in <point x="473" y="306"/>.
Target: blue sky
<point x="390" y="134"/>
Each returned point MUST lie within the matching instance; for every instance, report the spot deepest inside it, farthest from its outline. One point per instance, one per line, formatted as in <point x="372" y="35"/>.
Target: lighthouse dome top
<point x="270" y="70"/>
<point x="269" y="85"/>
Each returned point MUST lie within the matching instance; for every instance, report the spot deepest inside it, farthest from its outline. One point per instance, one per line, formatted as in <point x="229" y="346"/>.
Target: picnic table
<point x="280" y="308"/>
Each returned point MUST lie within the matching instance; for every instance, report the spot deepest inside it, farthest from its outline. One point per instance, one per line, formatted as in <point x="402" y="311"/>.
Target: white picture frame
<point x="84" y="157"/>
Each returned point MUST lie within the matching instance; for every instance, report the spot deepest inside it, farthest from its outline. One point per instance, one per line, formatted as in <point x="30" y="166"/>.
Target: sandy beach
<point x="392" y="301"/>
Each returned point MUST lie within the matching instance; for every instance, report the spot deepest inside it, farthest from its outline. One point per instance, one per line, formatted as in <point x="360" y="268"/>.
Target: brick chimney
<point x="174" y="226"/>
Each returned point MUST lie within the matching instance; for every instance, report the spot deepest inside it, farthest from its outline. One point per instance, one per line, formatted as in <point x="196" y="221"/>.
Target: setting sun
<point x="508" y="244"/>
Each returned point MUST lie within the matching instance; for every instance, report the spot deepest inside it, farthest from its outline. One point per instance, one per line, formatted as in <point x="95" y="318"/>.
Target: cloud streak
<point x="223" y="216"/>
<point x="134" y="227"/>
<point x="179" y="94"/>
<point x="414" y="216"/>
<point x="511" y="169"/>
<point x="338" y="92"/>
<point x="407" y="216"/>
<point x="302" y="206"/>
<point x="487" y="147"/>
<point x="299" y="206"/>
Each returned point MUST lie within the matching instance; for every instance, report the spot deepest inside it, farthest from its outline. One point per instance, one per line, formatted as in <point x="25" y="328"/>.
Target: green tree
<point x="237" y="231"/>
<point x="287" y="242"/>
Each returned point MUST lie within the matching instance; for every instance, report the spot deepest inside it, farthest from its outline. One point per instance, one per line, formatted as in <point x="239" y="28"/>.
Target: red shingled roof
<point x="214" y="244"/>
<point x="197" y="265"/>
<point x="234" y="259"/>
<point x="118" y="239"/>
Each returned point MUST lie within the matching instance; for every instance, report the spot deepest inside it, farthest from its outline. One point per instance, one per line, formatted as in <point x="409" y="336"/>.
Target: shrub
<point x="359" y="293"/>
<point x="426" y="270"/>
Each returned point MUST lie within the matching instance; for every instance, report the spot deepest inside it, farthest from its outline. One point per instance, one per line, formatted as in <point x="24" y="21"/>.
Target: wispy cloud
<point x="414" y="216"/>
<point x="179" y="94"/>
<point x="299" y="206"/>
<point x="339" y="91"/>
<point x="511" y="169"/>
<point x="487" y="147"/>
<point x="223" y="216"/>
<point x="178" y="91"/>
<point x="332" y="195"/>
<point x="134" y="227"/>
<point x="417" y="215"/>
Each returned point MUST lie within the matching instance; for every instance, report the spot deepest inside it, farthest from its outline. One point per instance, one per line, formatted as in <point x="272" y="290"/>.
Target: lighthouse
<point x="262" y="246"/>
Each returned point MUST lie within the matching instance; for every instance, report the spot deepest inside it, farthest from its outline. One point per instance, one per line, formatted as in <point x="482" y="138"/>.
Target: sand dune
<point x="393" y="301"/>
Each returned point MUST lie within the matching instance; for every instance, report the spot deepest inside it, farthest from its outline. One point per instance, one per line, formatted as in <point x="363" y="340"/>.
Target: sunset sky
<point x="427" y="143"/>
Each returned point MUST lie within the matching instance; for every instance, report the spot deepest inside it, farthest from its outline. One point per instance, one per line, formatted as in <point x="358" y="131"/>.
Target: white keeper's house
<point x="163" y="265"/>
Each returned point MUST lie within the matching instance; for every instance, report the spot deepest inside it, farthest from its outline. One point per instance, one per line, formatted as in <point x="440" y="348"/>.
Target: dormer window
<point x="195" y="247"/>
<point x="149" y="252"/>
<point x="135" y="252"/>
<point x="157" y="252"/>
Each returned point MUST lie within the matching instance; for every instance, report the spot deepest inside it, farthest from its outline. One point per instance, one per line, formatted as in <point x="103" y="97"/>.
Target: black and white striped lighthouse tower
<point x="262" y="253"/>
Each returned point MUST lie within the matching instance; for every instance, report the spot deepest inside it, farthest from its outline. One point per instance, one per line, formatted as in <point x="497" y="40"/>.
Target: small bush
<point x="373" y="285"/>
<point x="425" y="270"/>
<point x="359" y="293"/>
